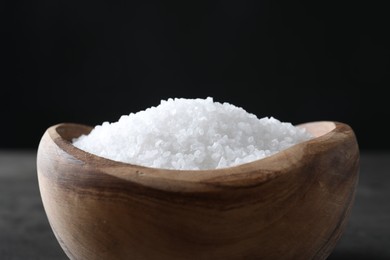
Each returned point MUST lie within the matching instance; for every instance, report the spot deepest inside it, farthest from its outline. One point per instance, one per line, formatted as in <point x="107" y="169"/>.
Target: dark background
<point x="93" y="61"/>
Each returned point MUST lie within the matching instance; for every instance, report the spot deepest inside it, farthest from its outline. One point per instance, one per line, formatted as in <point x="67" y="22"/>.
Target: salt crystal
<point x="190" y="134"/>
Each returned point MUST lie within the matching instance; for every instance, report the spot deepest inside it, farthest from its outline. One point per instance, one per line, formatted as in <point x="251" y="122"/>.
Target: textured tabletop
<point x="25" y="232"/>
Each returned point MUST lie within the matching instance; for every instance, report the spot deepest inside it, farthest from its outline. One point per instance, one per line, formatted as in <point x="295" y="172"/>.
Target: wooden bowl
<point x="292" y="205"/>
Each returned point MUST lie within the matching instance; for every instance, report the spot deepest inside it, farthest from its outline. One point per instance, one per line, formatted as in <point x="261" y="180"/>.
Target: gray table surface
<point x="25" y="232"/>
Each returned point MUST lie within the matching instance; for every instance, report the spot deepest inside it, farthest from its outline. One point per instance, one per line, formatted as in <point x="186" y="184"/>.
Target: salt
<point x="191" y="134"/>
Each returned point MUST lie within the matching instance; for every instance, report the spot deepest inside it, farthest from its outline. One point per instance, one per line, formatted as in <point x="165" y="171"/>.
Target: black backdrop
<point x="92" y="61"/>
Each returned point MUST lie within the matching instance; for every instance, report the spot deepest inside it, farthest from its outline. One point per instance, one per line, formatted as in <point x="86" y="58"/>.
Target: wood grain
<point x="292" y="205"/>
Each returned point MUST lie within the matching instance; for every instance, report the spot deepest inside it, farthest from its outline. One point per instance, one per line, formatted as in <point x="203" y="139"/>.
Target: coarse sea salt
<point x="191" y="134"/>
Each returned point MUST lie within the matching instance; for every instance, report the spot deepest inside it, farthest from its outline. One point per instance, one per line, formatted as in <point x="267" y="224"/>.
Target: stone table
<point x="26" y="234"/>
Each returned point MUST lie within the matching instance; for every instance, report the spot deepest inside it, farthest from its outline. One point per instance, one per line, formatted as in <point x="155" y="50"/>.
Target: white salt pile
<point x="191" y="134"/>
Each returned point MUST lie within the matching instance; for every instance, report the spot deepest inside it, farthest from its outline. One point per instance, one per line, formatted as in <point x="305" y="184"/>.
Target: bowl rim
<point x="250" y="173"/>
